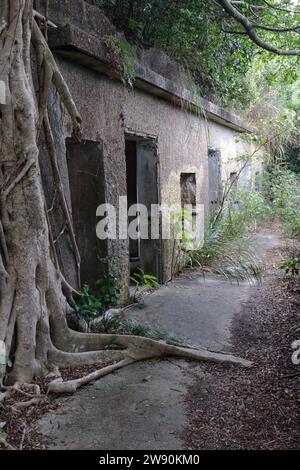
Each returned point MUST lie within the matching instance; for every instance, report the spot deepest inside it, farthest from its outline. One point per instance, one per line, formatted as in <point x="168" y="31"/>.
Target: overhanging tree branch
<point x="274" y="7"/>
<point x="250" y="27"/>
<point x="276" y="30"/>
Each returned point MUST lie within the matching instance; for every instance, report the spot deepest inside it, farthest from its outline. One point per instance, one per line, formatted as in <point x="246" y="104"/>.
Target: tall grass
<point x="282" y="191"/>
<point x="227" y="248"/>
<point x="227" y="251"/>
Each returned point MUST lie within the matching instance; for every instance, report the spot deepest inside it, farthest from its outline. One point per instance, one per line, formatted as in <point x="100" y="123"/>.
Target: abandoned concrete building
<point x="143" y="141"/>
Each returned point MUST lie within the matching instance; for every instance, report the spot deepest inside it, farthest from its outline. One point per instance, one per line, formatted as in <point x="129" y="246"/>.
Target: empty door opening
<point x="214" y="177"/>
<point x="132" y="198"/>
<point x="142" y="188"/>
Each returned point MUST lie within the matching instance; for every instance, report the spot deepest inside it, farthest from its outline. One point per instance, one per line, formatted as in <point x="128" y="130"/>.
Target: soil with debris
<point x="256" y="408"/>
<point x="18" y="425"/>
<point x="19" y="429"/>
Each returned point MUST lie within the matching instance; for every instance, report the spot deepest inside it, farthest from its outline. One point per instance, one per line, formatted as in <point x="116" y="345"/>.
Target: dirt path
<point x="156" y="405"/>
<point x="256" y="409"/>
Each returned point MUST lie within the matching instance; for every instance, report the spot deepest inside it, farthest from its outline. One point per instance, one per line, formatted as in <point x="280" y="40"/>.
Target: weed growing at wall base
<point x="91" y="305"/>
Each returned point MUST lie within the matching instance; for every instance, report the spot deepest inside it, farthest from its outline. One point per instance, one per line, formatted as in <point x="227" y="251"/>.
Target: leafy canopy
<point x="198" y="34"/>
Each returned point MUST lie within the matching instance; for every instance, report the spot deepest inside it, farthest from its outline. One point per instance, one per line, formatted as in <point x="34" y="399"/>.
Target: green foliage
<point x="123" y="58"/>
<point x="228" y="68"/>
<point x="282" y="188"/>
<point x="274" y="84"/>
<point x="183" y="243"/>
<point x="227" y="249"/>
<point x="144" y="280"/>
<point x="291" y="265"/>
<point x="108" y="290"/>
<point x="292" y="155"/>
<point x="89" y="306"/>
<point x="190" y="32"/>
<point x="273" y="109"/>
<point x="247" y="210"/>
<point x="112" y="342"/>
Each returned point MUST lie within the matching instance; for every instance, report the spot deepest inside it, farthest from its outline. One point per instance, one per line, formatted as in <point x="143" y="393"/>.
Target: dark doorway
<point x="188" y="190"/>
<point x="132" y="197"/>
<point x="142" y="188"/>
<point x="214" y="178"/>
<point x="86" y="175"/>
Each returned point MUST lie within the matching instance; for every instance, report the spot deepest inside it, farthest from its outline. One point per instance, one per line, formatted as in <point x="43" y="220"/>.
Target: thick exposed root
<point x="145" y="348"/>
<point x="22" y="405"/>
<point x="70" y="386"/>
<point x="31" y="392"/>
<point x="134" y="349"/>
<point x="102" y="357"/>
<point x="140" y="348"/>
<point x="28" y="390"/>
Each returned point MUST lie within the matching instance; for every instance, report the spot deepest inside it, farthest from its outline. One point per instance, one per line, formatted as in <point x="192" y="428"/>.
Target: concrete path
<point x="142" y="406"/>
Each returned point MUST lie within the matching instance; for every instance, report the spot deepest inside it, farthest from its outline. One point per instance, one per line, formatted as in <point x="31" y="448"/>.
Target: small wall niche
<point x="188" y="189"/>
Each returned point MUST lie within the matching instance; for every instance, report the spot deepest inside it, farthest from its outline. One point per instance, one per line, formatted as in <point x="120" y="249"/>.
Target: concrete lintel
<point x="87" y="50"/>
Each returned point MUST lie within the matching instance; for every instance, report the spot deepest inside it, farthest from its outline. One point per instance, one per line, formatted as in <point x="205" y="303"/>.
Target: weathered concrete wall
<point x="109" y="110"/>
<point x="233" y="147"/>
<point x="99" y="101"/>
<point x="182" y="148"/>
<point x="159" y="107"/>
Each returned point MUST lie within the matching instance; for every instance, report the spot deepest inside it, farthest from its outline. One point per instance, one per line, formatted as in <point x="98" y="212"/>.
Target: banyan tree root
<point x="135" y="349"/>
<point x="34" y="296"/>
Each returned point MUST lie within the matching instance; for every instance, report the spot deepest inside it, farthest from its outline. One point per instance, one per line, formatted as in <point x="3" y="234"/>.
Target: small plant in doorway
<point x="107" y="285"/>
<point x="143" y="281"/>
<point x="183" y="242"/>
<point x="88" y="305"/>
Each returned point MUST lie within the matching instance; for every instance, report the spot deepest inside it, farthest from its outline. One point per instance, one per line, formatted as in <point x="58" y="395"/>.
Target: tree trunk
<point x="30" y="283"/>
<point x="34" y="296"/>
